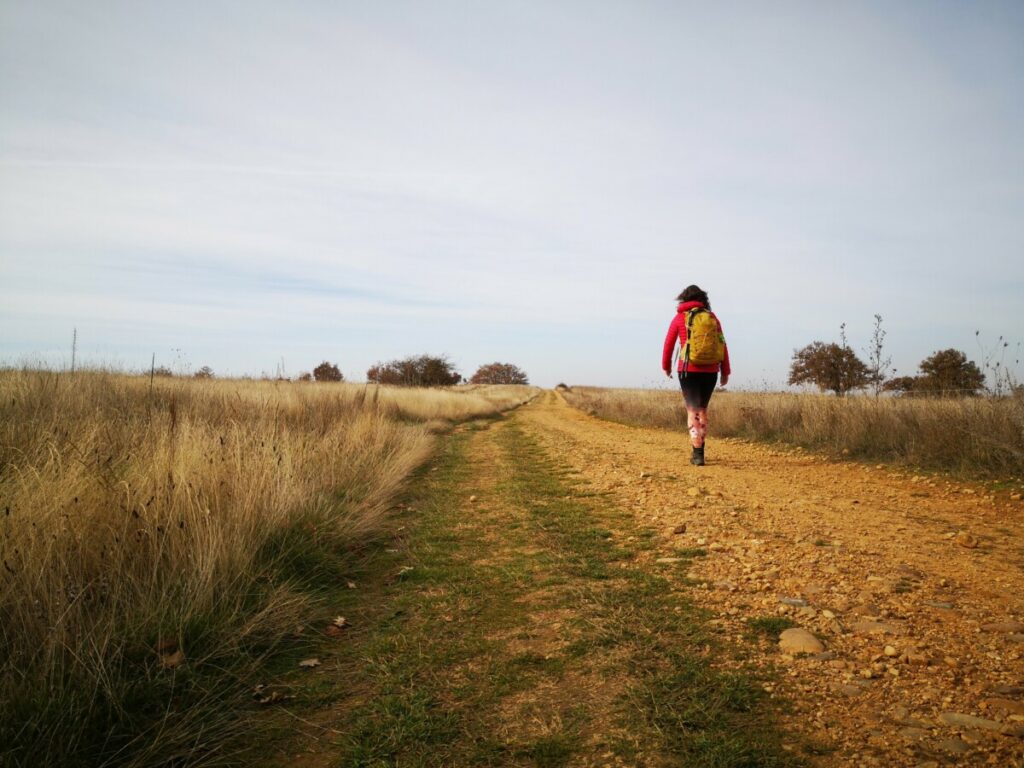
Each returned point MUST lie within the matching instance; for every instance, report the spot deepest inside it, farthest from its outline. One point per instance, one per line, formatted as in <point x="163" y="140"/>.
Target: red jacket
<point x="677" y="330"/>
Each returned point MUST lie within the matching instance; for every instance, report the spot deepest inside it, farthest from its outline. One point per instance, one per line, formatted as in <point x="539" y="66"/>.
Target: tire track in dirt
<point x="920" y="630"/>
<point x="515" y="621"/>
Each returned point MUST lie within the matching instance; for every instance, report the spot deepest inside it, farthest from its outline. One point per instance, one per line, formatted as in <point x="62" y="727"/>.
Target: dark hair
<point x="694" y="293"/>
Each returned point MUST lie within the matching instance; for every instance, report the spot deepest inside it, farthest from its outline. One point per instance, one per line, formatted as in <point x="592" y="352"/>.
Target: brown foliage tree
<point x="421" y="371"/>
<point x="949" y="372"/>
<point x="902" y="384"/>
<point x="499" y="373"/>
<point x="327" y="372"/>
<point x="830" y="367"/>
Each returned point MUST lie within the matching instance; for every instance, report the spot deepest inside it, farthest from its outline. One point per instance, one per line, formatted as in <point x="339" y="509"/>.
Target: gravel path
<point x="914" y="585"/>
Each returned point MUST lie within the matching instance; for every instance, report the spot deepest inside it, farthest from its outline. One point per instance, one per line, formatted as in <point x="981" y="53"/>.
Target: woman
<point x="699" y="361"/>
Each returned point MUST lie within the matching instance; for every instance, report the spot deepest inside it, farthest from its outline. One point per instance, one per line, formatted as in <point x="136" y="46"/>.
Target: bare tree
<point x="879" y="364"/>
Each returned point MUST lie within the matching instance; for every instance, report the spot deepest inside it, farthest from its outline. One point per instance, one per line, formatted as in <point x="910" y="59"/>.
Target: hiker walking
<point x="703" y="353"/>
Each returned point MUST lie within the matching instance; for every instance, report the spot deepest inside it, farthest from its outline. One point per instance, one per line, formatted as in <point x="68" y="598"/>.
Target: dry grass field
<point x="155" y="540"/>
<point x="974" y="437"/>
<point x="169" y="546"/>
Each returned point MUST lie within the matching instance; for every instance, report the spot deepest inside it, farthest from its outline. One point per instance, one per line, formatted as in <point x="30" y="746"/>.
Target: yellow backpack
<point x="705" y="343"/>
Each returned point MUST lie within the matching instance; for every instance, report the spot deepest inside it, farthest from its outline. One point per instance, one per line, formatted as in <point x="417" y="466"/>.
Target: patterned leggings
<point x="697" y="421"/>
<point x="697" y="390"/>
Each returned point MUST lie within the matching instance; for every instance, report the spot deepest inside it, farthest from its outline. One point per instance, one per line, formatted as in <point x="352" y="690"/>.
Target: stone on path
<point x="966" y="540"/>
<point x="954" y="745"/>
<point x="1003" y="626"/>
<point x="1008" y="705"/>
<point x="969" y="721"/>
<point x="795" y="602"/>
<point x="910" y="733"/>
<point x="797" y="640"/>
<point x="872" y="628"/>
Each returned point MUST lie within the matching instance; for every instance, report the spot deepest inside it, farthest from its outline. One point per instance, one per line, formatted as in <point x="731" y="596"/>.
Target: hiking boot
<point x="698" y="457"/>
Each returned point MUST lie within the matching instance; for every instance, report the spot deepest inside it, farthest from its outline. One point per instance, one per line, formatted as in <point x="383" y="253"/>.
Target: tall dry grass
<point x="154" y="543"/>
<point x="974" y="437"/>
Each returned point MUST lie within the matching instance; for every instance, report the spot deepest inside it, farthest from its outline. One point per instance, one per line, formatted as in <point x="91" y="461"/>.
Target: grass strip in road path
<point x="527" y="633"/>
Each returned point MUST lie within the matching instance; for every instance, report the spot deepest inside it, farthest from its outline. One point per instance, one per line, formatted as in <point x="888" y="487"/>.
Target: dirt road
<point x="537" y="608"/>
<point x="914" y="585"/>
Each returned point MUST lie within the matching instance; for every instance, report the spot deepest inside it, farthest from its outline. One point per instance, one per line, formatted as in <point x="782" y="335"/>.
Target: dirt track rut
<point x="914" y="584"/>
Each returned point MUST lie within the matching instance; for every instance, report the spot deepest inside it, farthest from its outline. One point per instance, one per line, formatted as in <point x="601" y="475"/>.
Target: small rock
<point x="668" y="560"/>
<point x="693" y="491"/>
<point x="828" y="614"/>
<point x="913" y="734"/>
<point x="891" y="651"/>
<point x="941" y="605"/>
<point x="959" y="720"/>
<point x="797" y="640"/>
<point x="1003" y="626"/>
<point x="681" y="528"/>
<point x="965" y="540"/>
<point x="1009" y="690"/>
<point x="1015" y="497"/>
<point x="472" y="498"/>
<point x="872" y="628"/>
<point x="851" y="690"/>
<point x="309" y="663"/>
<point x="796" y="602"/>
<point x="916" y="657"/>
<point x="1006" y="705"/>
<point x="954" y="745"/>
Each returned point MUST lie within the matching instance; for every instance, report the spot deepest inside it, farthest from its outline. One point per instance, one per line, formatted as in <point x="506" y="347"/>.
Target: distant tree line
<point x="418" y="371"/>
<point x="836" y="367"/>
<point x="414" y="371"/>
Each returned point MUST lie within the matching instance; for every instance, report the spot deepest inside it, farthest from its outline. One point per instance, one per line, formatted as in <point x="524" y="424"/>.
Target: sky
<point x="258" y="186"/>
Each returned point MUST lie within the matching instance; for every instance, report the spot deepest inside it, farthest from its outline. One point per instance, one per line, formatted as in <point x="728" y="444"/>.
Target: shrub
<point x="944" y="373"/>
<point x="499" y="373"/>
<point x="305" y="376"/>
<point x="206" y="372"/>
<point x="421" y="371"/>
<point x="327" y="372"/>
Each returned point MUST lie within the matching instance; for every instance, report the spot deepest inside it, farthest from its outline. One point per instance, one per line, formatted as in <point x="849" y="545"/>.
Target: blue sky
<point x="236" y="184"/>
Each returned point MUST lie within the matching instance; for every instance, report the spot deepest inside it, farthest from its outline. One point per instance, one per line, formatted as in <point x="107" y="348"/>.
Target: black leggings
<point x="697" y="388"/>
